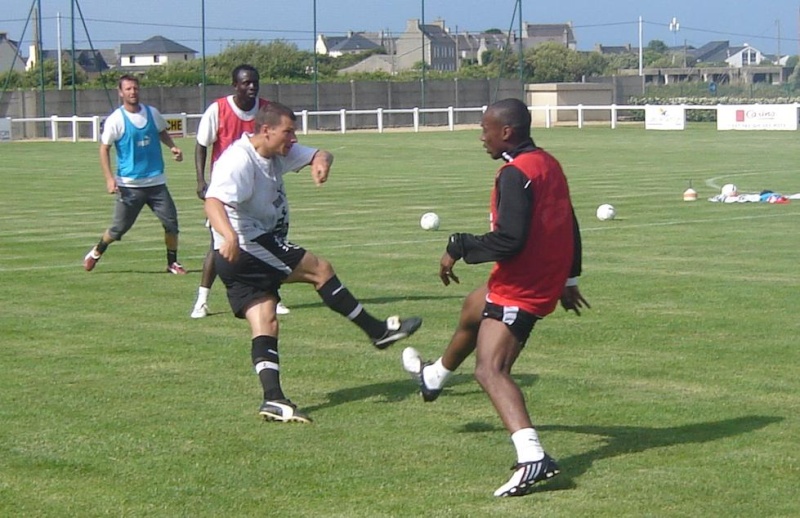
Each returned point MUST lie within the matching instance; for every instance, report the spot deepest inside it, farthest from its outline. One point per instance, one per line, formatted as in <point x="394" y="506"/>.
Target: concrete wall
<point x="354" y="95"/>
<point x="569" y="94"/>
<point x="624" y="87"/>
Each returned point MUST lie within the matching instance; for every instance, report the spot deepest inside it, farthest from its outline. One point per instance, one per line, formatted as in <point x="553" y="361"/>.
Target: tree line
<point x="281" y="61"/>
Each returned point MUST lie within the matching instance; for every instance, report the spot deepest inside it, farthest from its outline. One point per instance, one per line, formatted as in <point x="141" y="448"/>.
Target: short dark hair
<point x="127" y="77"/>
<point x="513" y="113"/>
<point x="241" y="68"/>
<point x="271" y="114"/>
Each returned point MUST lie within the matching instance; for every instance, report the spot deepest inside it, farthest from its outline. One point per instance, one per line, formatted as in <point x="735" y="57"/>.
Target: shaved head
<point x="515" y="114"/>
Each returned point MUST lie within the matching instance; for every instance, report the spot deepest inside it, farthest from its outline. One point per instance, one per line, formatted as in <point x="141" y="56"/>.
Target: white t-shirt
<point x="251" y="187"/>
<point x="208" y="128"/>
<point x="114" y="125"/>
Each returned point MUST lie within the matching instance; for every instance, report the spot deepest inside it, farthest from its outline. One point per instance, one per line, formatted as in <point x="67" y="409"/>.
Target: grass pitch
<point x="677" y="394"/>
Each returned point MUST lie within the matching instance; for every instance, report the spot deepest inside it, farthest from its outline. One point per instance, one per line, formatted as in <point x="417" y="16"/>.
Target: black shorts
<point x="518" y="321"/>
<point x="262" y="266"/>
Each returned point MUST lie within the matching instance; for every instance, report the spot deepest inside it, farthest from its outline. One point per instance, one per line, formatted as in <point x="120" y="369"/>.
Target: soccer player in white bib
<point x="224" y="121"/>
<point x="247" y="207"/>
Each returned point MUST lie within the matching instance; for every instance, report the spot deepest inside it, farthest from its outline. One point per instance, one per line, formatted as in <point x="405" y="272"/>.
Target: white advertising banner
<point x="5" y="130"/>
<point x="774" y="117"/>
<point x="664" y="117"/>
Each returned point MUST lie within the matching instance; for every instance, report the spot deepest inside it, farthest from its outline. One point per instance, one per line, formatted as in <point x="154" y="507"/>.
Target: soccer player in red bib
<point x="535" y="244"/>
<point x="223" y="123"/>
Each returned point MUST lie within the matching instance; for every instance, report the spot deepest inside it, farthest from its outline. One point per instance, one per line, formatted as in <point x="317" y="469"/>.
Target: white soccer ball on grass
<point x="429" y="221"/>
<point x="606" y="212"/>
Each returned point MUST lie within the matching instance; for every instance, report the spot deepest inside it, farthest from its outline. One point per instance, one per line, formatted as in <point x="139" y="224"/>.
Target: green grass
<point x="677" y="394"/>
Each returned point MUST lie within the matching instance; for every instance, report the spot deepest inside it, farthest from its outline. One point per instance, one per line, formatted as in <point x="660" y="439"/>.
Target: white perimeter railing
<point x="178" y="122"/>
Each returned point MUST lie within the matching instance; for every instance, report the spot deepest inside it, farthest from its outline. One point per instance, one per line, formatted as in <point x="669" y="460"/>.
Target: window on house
<point x="156" y="59"/>
<point x="186" y="57"/>
<point x="132" y="59"/>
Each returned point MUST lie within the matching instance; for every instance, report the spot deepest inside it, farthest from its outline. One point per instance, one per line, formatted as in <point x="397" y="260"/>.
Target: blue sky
<point x="769" y="25"/>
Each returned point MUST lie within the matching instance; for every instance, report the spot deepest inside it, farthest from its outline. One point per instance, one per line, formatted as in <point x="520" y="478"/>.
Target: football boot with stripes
<point x="526" y="474"/>
<point x="282" y="410"/>
<point x="397" y="329"/>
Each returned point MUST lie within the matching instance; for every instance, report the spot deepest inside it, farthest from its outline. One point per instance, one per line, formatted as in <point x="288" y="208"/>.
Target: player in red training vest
<point x="535" y="244"/>
<point x="223" y="123"/>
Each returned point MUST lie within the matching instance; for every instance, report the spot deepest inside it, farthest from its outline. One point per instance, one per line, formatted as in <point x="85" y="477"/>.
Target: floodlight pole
<point x="674" y="27"/>
<point x="39" y="52"/>
<point x="641" y="50"/>
<point x="58" y="51"/>
<point x="422" y="32"/>
<point x="314" y="49"/>
<point x="203" y="49"/>
<point x="72" y="47"/>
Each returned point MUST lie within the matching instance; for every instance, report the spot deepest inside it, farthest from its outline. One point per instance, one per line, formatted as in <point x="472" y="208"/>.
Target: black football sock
<point x="264" y="353"/>
<point x="338" y="298"/>
<point x="172" y="256"/>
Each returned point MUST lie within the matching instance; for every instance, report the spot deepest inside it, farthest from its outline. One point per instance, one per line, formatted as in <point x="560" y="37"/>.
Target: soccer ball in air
<point x="606" y="212"/>
<point x="429" y="221"/>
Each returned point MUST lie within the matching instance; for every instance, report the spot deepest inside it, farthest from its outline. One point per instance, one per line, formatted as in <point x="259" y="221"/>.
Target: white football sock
<point x="435" y="375"/>
<point x="526" y="441"/>
<point x="202" y="296"/>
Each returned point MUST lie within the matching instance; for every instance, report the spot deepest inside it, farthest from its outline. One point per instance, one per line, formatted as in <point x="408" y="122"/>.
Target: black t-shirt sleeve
<point x="514" y="206"/>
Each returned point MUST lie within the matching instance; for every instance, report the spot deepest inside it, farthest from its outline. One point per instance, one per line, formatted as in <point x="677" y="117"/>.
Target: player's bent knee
<point x="171" y="228"/>
<point x="312" y="269"/>
<point x="324" y="269"/>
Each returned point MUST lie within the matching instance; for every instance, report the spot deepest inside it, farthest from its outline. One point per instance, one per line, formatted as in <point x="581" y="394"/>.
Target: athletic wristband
<point x="454" y="246"/>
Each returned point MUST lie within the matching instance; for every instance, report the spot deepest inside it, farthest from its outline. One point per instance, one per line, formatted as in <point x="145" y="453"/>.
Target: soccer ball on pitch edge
<point x="730" y="189"/>
<point x="429" y="221"/>
<point x="606" y="212"/>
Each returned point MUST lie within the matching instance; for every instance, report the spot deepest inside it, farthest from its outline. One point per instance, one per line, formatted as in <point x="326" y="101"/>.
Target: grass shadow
<point x="375" y="300"/>
<point x="394" y="391"/>
<point x="141" y="272"/>
<point x="624" y="440"/>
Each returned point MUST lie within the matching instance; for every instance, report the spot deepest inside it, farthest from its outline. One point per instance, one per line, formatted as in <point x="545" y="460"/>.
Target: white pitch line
<point x="711" y="182"/>
<point x="603" y="228"/>
<point x="613" y="226"/>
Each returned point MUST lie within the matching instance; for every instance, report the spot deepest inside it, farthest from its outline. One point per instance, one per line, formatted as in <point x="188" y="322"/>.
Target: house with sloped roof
<point x="443" y="50"/>
<point x="324" y="43"/>
<point x="91" y="62"/>
<point x="10" y="58"/>
<point x="734" y="56"/>
<point x="471" y="47"/>
<point x="430" y="43"/>
<point x="615" y="50"/>
<point x="711" y="52"/>
<point x="534" y="34"/>
<point x="373" y="63"/>
<point x="352" y="43"/>
<point x="155" y="51"/>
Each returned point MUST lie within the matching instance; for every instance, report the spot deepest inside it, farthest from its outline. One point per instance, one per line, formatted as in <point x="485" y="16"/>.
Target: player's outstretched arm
<point x="321" y="166"/>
